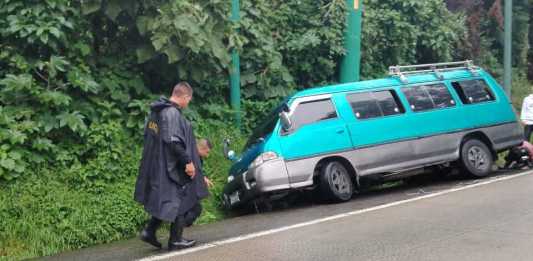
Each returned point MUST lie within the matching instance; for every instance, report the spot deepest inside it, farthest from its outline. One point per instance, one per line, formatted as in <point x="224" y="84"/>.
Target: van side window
<point x="473" y="91"/>
<point x="418" y="98"/>
<point x="367" y="105"/>
<point x="313" y="111"/>
<point x="427" y="97"/>
<point x="440" y="95"/>
<point x="389" y="102"/>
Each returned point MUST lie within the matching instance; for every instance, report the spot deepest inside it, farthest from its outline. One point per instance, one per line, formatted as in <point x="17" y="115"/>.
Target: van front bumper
<point x="239" y="191"/>
<point x="271" y="176"/>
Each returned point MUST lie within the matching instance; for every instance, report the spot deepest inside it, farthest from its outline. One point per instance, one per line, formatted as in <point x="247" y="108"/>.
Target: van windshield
<point x="266" y="126"/>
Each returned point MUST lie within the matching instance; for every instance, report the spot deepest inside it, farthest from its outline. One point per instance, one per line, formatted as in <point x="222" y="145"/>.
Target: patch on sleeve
<point x="152" y="125"/>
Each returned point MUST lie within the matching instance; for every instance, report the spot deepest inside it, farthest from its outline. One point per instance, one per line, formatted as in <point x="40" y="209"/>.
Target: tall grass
<point x="50" y="211"/>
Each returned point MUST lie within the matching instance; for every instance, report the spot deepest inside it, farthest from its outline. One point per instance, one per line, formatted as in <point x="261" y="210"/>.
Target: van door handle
<point x="340" y="131"/>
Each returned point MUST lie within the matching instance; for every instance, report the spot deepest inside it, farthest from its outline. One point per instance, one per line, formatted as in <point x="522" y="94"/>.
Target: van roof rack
<point x="402" y="70"/>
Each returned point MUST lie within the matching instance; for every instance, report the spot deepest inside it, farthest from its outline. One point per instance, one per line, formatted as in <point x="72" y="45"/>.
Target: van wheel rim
<point x="339" y="181"/>
<point x="477" y="158"/>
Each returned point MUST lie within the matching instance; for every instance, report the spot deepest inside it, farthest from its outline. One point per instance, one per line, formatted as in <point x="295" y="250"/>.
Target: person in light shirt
<point x="527" y="116"/>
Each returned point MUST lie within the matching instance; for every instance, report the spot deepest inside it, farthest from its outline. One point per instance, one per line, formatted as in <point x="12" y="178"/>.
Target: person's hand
<point x="190" y="170"/>
<point x="208" y="182"/>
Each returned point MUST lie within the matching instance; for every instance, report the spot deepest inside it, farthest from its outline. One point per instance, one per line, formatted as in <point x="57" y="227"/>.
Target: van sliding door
<point x="380" y="131"/>
<point x="438" y="121"/>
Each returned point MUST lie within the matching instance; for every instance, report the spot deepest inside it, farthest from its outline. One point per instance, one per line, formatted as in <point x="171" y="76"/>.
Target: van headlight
<point x="230" y="178"/>
<point x="264" y="157"/>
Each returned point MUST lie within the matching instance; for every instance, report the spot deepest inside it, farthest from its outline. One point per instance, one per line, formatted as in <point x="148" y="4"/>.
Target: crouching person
<point x="204" y="147"/>
<point x="169" y="167"/>
<point x="519" y="157"/>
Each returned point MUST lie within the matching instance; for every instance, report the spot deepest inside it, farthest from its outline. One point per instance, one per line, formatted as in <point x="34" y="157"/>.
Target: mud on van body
<point x="329" y="138"/>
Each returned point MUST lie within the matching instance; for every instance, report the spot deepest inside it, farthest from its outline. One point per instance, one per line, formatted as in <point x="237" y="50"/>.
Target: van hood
<point x="247" y="157"/>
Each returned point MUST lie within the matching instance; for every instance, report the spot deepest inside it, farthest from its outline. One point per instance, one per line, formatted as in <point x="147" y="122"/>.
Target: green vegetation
<point x="77" y="77"/>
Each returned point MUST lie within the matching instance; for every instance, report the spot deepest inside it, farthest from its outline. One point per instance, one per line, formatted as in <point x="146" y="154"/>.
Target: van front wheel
<point x="335" y="182"/>
<point x="476" y="158"/>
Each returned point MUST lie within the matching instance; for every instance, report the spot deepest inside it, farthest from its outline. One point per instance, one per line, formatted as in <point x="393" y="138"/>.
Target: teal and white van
<point x="420" y="117"/>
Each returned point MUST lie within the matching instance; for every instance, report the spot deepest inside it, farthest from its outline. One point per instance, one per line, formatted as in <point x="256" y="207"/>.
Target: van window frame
<point x="309" y="99"/>
<point x="491" y="91"/>
<point x="426" y="84"/>
<point x="396" y="98"/>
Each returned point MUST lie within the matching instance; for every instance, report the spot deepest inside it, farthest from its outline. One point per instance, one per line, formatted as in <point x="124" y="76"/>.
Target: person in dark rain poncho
<point x="170" y="167"/>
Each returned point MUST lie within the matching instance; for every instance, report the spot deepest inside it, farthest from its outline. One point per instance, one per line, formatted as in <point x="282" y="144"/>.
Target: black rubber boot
<point x="176" y="240"/>
<point x="148" y="234"/>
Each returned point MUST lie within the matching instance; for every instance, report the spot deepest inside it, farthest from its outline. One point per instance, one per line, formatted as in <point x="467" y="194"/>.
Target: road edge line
<point x="325" y="219"/>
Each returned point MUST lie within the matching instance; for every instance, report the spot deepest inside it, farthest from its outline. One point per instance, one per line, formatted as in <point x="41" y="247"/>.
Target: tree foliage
<point x="68" y="66"/>
<point x="409" y="32"/>
<point x="50" y="93"/>
<point x="485" y="24"/>
<point x="530" y="41"/>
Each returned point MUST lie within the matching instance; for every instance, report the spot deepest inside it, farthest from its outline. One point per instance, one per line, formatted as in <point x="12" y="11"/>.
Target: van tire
<point x="335" y="182"/>
<point x="476" y="158"/>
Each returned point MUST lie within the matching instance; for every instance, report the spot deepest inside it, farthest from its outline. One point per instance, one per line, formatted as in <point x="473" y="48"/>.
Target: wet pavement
<point x="474" y="218"/>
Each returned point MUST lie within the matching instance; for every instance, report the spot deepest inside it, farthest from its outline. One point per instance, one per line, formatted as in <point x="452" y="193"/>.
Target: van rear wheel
<point x="476" y="158"/>
<point x="335" y="182"/>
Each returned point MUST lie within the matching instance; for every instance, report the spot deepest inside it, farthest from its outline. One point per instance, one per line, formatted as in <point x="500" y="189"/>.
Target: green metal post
<point x="507" y="82"/>
<point x="235" y="71"/>
<point x="350" y="66"/>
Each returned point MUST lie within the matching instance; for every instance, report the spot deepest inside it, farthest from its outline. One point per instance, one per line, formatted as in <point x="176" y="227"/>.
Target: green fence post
<point x="235" y="71"/>
<point x="507" y="62"/>
<point x="350" y="66"/>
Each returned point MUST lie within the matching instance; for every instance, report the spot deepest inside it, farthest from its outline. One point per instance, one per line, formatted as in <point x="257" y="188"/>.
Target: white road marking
<point x="321" y="220"/>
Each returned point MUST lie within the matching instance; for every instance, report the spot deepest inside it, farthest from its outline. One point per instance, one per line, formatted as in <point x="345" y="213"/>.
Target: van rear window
<point x="367" y="105"/>
<point x="428" y="97"/>
<point x="473" y="91"/>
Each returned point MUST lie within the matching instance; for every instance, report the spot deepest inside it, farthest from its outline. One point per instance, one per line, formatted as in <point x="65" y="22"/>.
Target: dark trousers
<point x="176" y="228"/>
<point x="153" y="225"/>
<point x="528" y="129"/>
<point x="193" y="214"/>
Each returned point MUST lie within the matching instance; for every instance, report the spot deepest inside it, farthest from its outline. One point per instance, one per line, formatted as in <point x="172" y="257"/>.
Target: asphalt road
<point x="424" y="221"/>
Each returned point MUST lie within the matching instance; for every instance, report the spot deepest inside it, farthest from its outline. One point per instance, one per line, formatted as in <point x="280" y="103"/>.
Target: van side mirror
<point x="286" y="122"/>
<point x="285" y="107"/>
<point x="228" y="154"/>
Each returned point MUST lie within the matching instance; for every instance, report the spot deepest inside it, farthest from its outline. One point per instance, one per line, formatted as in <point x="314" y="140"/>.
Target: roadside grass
<point x="43" y="217"/>
<point x="52" y="210"/>
<point x="216" y="166"/>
